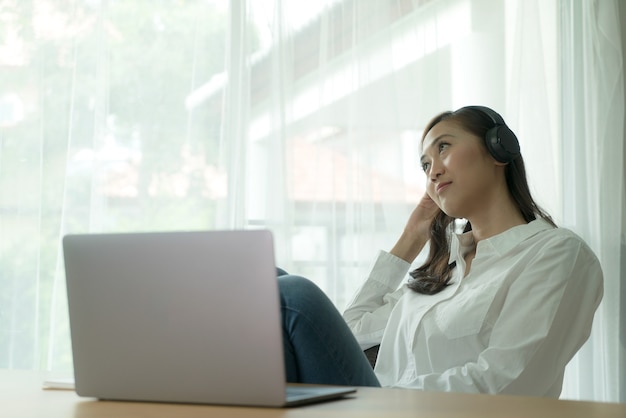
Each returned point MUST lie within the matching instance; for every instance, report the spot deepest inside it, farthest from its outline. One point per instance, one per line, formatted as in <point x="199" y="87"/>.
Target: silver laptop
<point x="185" y="317"/>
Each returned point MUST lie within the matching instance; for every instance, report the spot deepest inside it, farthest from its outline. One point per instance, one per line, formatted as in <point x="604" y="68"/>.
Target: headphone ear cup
<point x="502" y="143"/>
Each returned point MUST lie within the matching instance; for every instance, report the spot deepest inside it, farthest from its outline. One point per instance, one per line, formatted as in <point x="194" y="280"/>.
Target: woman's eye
<point x="425" y="166"/>
<point x="443" y="145"/>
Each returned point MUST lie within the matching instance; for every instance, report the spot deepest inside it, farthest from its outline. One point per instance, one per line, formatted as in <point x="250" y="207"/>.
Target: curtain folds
<point x="593" y="190"/>
<point x="300" y="117"/>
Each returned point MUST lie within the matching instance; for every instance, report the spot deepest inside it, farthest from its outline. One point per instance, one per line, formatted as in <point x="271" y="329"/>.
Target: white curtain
<point x="593" y="181"/>
<point x="300" y="117"/>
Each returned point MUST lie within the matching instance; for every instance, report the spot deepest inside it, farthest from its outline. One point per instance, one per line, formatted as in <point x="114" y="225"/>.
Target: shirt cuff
<point x="389" y="270"/>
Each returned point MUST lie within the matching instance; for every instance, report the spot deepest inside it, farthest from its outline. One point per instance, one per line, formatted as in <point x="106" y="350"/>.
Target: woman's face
<point x="460" y="173"/>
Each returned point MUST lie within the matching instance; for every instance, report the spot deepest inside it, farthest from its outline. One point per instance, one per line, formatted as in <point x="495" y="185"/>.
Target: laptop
<point x="180" y="317"/>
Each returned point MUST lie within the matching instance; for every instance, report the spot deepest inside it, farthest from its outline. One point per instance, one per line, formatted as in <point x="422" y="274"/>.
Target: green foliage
<point x="98" y="74"/>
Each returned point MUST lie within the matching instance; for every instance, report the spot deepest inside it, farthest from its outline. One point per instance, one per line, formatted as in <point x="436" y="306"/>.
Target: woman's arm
<point x="369" y="311"/>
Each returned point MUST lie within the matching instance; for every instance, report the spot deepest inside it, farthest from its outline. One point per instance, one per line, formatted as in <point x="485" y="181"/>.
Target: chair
<point x="372" y="354"/>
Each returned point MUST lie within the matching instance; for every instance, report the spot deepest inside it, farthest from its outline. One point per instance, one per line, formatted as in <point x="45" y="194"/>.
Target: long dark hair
<point x="434" y="275"/>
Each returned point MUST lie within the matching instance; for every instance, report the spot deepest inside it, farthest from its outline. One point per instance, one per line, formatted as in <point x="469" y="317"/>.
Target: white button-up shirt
<point x="510" y="326"/>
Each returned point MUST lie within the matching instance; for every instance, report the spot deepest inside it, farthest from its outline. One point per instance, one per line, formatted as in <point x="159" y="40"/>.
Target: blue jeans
<point x="318" y="345"/>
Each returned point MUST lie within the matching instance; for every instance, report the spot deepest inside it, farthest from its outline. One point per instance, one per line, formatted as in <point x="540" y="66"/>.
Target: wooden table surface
<point x="22" y="396"/>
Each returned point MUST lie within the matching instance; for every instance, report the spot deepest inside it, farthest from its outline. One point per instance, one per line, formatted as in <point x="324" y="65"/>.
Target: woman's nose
<point x="436" y="169"/>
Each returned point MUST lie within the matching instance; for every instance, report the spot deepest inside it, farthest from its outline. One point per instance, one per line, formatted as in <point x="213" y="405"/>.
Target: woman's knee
<point x="296" y="285"/>
<point x="298" y="292"/>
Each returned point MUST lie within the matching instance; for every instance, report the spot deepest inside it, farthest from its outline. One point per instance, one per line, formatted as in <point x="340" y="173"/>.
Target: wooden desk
<point x="22" y="396"/>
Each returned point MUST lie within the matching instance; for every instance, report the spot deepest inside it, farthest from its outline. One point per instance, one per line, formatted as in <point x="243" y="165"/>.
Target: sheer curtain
<point x="300" y="117"/>
<point x="575" y="153"/>
<point x="593" y="180"/>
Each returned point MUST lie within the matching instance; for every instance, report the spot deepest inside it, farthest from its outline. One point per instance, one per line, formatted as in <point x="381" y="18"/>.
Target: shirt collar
<point x="498" y="244"/>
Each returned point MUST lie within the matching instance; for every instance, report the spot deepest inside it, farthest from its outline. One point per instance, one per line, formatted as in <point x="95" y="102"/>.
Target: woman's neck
<point x="499" y="218"/>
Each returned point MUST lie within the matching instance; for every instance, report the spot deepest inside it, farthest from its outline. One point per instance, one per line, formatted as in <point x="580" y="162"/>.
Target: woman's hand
<point x="417" y="230"/>
<point x="422" y="216"/>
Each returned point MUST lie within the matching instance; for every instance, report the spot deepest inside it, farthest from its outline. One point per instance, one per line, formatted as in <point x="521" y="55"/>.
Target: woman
<point x="499" y="307"/>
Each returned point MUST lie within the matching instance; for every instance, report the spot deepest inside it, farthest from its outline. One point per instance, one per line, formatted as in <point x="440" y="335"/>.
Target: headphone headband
<point x="492" y="114"/>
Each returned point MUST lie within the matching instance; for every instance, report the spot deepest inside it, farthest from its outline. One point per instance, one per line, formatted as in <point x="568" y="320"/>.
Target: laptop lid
<point x="189" y="317"/>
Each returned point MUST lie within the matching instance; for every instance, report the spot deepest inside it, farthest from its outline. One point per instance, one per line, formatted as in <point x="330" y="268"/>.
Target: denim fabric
<point x="318" y="345"/>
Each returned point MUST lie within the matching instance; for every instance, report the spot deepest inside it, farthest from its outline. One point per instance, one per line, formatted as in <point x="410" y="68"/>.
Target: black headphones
<point x="500" y="140"/>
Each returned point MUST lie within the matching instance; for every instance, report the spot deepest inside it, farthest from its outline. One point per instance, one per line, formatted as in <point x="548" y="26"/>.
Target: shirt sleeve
<point x="368" y="312"/>
<point x="545" y="318"/>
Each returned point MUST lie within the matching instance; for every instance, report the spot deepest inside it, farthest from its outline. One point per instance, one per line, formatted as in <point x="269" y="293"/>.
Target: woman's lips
<point x="442" y="186"/>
